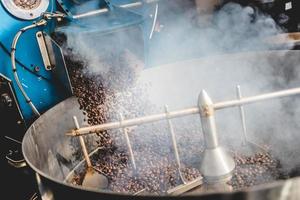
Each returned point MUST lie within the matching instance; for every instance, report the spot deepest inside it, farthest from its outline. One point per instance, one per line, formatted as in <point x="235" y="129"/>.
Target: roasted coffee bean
<point x="256" y="169"/>
<point x="101" y="100"/>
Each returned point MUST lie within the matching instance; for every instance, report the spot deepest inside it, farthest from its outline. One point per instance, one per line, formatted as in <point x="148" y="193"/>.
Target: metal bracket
<point x="53" y="59"/>
<point x="13" y="156"/>
<point x="10" y="112"/>
<point x="183" y="188"/>
<point x="16" y="163"/>
<point x="43" y="48"/>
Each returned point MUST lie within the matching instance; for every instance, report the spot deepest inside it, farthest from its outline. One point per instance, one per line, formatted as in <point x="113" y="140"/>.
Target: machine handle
<point x="16" y="163"/>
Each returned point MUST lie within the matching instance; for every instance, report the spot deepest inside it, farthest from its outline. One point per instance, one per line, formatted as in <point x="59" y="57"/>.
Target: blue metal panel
<point x="70" y="6"/>
<point x="39" y="85"/>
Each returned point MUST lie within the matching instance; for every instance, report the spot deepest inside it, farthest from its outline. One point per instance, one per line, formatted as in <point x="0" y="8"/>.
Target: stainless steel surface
<point x="217" y="164"/>
<point x="46" y="159"/>
<point x="208" y="122"/>
<point x="44" y="141"/>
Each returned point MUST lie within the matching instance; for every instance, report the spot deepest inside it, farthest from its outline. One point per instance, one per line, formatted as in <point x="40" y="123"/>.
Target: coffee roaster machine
<point x="33" y="74"/>
<point x="38" y="79"/>
<point x="26" y="30"/>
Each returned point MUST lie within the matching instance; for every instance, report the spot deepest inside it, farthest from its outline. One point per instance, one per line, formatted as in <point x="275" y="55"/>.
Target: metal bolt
<point x="37" y="68"/>
<point x="6" y="100"/>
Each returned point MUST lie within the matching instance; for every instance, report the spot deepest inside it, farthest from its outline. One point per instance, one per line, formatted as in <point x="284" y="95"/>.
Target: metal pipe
<point x="171" y="129"/>
<point x="253" y="99"/>
<point x="180" y="113"/>
<point x="242" y="114"/>
<point x="133" y="122"/>
<point x="83" y="146"/>
<point x="128" y="143"/>
<point x="12" y="139"/>
<point x="42" y="22"/>
<point x="132" y="5"/>
<point x="91" y="13"/>
<point x="154" y="21"/>
<point x="105" y="10"/>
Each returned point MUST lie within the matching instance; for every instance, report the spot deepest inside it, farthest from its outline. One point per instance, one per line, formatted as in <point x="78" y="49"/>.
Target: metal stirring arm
<point x="93" y="178"/>
<point x="83" y="146"/>
<point x="180" y="113"/>
<point x="186" y="186"/>
<point x="174" y="143"/>
<point x="217" y="164"/>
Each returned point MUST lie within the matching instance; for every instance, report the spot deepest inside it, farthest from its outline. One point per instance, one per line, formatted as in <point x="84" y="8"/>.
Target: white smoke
<point x="233" y="51"/>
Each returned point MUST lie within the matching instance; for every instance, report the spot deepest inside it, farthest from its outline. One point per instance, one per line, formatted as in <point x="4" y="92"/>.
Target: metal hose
<point x="13" y="62"/>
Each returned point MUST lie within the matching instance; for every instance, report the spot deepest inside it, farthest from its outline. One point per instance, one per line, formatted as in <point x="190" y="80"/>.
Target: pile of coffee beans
<point x="27" y="4"/>
<point x="156" y="170"/>
<point x="255" y="169"/>
<point x="155" y="175"/>
<point x="101" y="100"/>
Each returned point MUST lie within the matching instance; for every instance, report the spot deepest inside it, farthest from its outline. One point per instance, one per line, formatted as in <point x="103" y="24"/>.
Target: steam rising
<point x="234" y="29"/>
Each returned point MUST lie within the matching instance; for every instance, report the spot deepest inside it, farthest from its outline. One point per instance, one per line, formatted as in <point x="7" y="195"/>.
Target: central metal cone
<point x="216" y="165"/>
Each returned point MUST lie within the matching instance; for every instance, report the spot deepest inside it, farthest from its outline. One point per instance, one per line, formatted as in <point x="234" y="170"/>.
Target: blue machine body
<point x="36" y="80"/>
<point x="40" y="84"/>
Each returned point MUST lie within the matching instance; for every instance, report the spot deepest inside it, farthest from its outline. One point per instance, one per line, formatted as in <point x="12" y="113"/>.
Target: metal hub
<point x="26" y="9"/>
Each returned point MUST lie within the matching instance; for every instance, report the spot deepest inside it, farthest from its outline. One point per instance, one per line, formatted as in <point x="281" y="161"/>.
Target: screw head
<point x="37" y="68"/>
